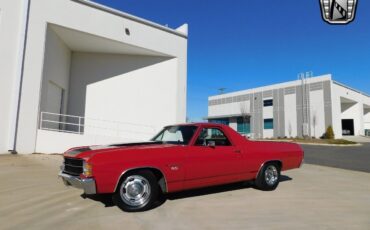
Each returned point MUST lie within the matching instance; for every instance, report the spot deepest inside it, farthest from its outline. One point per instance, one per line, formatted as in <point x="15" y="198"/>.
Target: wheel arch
<point x="161" y="178"/>
<point x="278" y="162"/>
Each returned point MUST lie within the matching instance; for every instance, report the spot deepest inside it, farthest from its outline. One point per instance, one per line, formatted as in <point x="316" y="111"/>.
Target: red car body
<point x="182" y="166"/>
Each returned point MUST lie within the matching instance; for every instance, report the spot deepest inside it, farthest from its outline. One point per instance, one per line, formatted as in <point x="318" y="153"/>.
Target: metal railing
<point x="61" y="123"/>
<point x="82" y="125"/>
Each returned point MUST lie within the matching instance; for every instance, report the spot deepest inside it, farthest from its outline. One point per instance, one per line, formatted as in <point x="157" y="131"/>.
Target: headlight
<point x="87" y="169"/>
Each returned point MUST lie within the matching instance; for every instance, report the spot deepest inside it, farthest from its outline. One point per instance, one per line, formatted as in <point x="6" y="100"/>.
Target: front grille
<point x="73" y="166"/>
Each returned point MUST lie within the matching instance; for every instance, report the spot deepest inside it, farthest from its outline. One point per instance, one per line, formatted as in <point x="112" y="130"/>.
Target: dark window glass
<point x="367" y="132"/>
<point x="268" y="123"/>
<point x="243" y="125"/>
<point x="214" y="135"/>
<point x="268" y="102"/>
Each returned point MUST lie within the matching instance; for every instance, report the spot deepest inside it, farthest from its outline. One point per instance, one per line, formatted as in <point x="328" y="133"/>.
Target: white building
<point x="296" y="108"/>
<point x="74" y="72"/>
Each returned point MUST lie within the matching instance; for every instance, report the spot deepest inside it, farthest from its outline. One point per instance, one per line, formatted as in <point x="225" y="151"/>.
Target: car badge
<point x="338" y="11"/>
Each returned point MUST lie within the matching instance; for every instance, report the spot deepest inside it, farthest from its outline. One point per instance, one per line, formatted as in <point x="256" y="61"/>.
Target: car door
<point x="212" y="159"/>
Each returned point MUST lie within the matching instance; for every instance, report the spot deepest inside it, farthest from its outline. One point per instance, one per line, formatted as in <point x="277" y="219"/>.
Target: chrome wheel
<point x="271" y="175"/>
<point x="135" y="191"/>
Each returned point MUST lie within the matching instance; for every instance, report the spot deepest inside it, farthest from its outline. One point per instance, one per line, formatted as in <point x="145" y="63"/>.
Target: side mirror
<point x="211" y="144"/>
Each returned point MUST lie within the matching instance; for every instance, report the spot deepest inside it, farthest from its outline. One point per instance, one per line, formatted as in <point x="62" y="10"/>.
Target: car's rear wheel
<point x="269" y="176"/>
<point x="137" y="191"/>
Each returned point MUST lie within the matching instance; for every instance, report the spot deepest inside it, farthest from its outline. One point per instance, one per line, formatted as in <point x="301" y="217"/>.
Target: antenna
<point x="221" y="90"/>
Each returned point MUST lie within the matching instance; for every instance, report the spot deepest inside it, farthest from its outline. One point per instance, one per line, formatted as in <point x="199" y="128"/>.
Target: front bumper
<point x="88" y="184"/>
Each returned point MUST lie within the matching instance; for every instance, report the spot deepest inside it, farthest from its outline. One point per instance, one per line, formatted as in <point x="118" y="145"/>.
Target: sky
<point x="242" y="44"/>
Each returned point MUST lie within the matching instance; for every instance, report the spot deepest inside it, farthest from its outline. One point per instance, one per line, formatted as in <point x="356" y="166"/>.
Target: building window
<point x="267" y="103"/>
<point x="268" y="123"/>
<point x="243" y="125"/>
<point x="367" y="132"/>
<point x="223" y="121"/>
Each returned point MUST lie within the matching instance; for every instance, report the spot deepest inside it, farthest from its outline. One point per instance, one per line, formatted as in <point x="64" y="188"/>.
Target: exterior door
<point x="348" y="127"/>
<point x="54" y="104"/>
<point x="213" y="159"/>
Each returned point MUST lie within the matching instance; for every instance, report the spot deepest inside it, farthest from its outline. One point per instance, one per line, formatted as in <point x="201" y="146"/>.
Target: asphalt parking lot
<point x="352" y="158"/>
<point x="312" y="197"/>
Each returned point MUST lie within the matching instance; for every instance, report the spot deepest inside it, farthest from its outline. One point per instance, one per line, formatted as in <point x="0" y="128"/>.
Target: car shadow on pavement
<point x="216" y="189"/>
<point x="106" y="199"/>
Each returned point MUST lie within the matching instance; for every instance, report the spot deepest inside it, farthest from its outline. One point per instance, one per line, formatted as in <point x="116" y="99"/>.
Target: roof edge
<point x="325" y="77"/>
<point x="350" y="88"/>
<point x="226" y="116"/>
<point x="122" y="14"/>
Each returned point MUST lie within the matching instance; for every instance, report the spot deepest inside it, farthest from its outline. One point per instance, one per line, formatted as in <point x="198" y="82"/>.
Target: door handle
<point x="237" y="151"/>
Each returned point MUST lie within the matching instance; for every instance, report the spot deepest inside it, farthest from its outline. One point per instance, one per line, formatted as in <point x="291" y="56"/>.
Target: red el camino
<point x="180" y="157"/>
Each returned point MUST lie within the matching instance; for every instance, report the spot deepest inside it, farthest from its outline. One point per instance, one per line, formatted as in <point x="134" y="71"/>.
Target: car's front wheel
<point x="137" y="191"/>
<point x="268" y="177"/>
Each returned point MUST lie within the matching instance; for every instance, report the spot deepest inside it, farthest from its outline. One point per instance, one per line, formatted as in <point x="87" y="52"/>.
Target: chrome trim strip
<point x="165" y="189"/>
<point x="74" y="166"/>
<point x="88" y="184"/>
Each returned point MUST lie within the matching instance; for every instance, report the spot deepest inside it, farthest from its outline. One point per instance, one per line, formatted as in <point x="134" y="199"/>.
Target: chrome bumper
<point x="88" y="184"/>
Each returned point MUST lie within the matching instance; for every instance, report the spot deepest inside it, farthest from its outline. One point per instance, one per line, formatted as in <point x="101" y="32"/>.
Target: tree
<point x="244" y="109"/>
<point x="245" y="112"/>
<point x="290" y="129"/>
<point x="314" y="123"/>
<point x="329" y="133"/>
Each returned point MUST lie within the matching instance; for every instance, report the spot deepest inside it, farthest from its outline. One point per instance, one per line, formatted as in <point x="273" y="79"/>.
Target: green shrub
<point x="329" y="134"/>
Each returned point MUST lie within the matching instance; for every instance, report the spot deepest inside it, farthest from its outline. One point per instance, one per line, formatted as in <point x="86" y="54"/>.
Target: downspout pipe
<point x="19" y="78"/>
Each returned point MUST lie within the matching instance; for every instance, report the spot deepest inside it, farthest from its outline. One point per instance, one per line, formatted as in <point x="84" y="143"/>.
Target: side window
<point x="212" y="135"/>
<point x="173" y="136"/>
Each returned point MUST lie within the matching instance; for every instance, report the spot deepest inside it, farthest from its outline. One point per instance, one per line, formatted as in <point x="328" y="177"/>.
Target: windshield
<point x="176" y="134"/>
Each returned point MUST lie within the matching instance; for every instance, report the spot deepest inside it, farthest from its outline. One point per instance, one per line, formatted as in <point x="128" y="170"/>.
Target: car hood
<point x="89" y="151"/>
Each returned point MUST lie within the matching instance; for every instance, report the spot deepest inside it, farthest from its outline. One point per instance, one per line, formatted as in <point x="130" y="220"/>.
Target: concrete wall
<point x="317" y="113"/>
<point x="287" y="110"/>
<point x="11" y="28"/>
<point x="290" y="113"/>
<point x="88" y="20"/>
<point x="348" y="104"/>
<point x="329" y="103"/>
<point x="50" y="141"/>
<point x="144" y="98"/>
<point x="56" y="71"/>
<point x="367" y="118"/>
<point x="257" y="115"/>
<point x="233" y="123"/>
<point x="230" y="108"/>
<point x="91" y="68"/>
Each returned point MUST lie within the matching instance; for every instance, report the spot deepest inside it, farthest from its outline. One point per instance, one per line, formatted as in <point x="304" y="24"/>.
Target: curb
<point x="316" y="144"/>
<point x="329" y="145"/>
